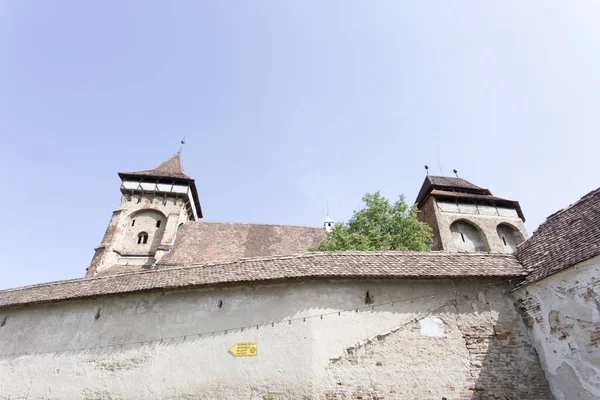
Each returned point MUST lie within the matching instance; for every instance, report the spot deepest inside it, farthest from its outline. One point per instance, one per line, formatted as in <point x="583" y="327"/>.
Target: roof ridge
<point x="174" y="267"/>
<point x="257" y="223"/>
<point x="330" y="265"/>
<point x="329" y="253"/>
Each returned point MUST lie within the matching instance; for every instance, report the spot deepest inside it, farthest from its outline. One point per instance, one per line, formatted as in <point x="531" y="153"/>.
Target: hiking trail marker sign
<point x="244" y="349"/>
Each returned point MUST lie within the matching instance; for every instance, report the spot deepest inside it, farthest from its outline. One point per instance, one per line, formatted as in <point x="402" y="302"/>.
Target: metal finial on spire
<point x="182" y="144"/>
<point x="455" y="172"/>
<point x="427" y="169"/>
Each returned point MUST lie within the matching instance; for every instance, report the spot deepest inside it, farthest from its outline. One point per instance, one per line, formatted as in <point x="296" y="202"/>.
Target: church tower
<point x="468" y="218"/>
<point x="154" y="202"/>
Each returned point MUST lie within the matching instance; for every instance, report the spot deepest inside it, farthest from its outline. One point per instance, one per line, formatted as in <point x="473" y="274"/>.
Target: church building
<point x="172" y="307"/>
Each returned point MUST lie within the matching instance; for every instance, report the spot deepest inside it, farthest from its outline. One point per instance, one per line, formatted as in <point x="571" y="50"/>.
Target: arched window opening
<point x="468" y="237"/>
<point x="142" y="238"/>
<point x="510" y="236"/>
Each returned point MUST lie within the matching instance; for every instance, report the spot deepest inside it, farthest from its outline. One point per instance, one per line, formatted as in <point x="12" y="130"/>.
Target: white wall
<point x="563" y="314"/>
<point x="443" y="345"/>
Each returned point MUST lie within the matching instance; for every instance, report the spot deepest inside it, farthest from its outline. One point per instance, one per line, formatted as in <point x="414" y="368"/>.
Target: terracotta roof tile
<point x="274" y="269"/>
<point x="201" y="242"/>
<point x="566" y="238"/>
<point x="172" y="168"/>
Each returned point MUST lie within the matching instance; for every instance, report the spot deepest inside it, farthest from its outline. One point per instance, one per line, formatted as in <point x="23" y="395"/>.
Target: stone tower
<point x="154" y="203"/>
<point x="467" y="218"/>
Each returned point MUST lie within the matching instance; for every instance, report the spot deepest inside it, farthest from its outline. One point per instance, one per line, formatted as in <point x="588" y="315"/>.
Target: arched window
<point x="142" y="238"/>
<point x="468" y="237"/>
<point x="510" y="237"/>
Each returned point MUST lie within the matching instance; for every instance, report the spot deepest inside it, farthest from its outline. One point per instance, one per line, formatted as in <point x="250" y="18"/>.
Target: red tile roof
<point x="172" y="168"/>
<point x="202" y="242"/>
<point x="566" y="238"/>
<point x="334" y="265"/>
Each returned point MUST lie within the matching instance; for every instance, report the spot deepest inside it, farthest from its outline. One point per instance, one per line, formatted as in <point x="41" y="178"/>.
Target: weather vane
<point x="182" y="144"/>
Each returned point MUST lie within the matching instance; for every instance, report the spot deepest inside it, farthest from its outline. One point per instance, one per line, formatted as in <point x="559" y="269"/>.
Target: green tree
<point x="380" y="226"/>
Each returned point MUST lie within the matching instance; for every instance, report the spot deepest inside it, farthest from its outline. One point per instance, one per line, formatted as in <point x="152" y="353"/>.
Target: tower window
<point x="142" y="238"/>
<point x="158" y="223"/>
<point x="468" y="237"/>
<point x="510" y="236"/>
<point x="133" y="223"/>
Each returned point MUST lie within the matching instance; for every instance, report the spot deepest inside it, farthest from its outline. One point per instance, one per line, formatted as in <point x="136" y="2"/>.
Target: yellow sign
<point x="244" y="349"/>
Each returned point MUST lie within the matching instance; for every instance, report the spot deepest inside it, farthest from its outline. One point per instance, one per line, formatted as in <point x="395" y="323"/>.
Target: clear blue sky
<point x="285" y="106"/>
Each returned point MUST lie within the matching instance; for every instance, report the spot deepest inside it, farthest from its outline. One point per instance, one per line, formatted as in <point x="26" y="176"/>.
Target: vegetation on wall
<point x="380" y="226"/>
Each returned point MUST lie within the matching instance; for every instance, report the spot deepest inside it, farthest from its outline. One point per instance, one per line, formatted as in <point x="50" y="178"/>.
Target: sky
<point x="286" y="106"/>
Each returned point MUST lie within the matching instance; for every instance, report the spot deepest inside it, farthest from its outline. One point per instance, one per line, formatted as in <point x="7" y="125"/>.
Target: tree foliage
<point x="380" y="226"/>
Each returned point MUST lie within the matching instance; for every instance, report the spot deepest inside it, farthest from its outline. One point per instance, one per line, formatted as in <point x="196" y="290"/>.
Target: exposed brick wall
<point x="496" y="365"/>
<point x="427" y="215"/>
<point x="483" y="356"/>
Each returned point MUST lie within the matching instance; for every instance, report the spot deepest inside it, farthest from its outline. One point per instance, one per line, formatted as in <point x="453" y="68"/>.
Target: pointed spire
<point x="172" y="168"/>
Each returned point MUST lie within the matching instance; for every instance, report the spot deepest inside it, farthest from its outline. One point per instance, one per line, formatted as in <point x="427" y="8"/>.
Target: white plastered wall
<point x="435" y="346"/>
<point x="485" y="218"/>
<point x="562" y="312"/>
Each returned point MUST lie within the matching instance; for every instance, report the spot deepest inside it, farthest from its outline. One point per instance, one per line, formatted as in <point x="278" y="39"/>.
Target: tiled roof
<point x="566" y="238"/>
<point x="202" y="242"/>
<point x="450" y="184"/>
<point x="335" y="265"/>
<point x="172" y="168"/>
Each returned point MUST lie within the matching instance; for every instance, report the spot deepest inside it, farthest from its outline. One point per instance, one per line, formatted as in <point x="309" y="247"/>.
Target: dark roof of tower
<point x="171" y="170"/>
<point x="458" y="188"/>
<point x="450" y="184"/>
<point x="566" y="238"/>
